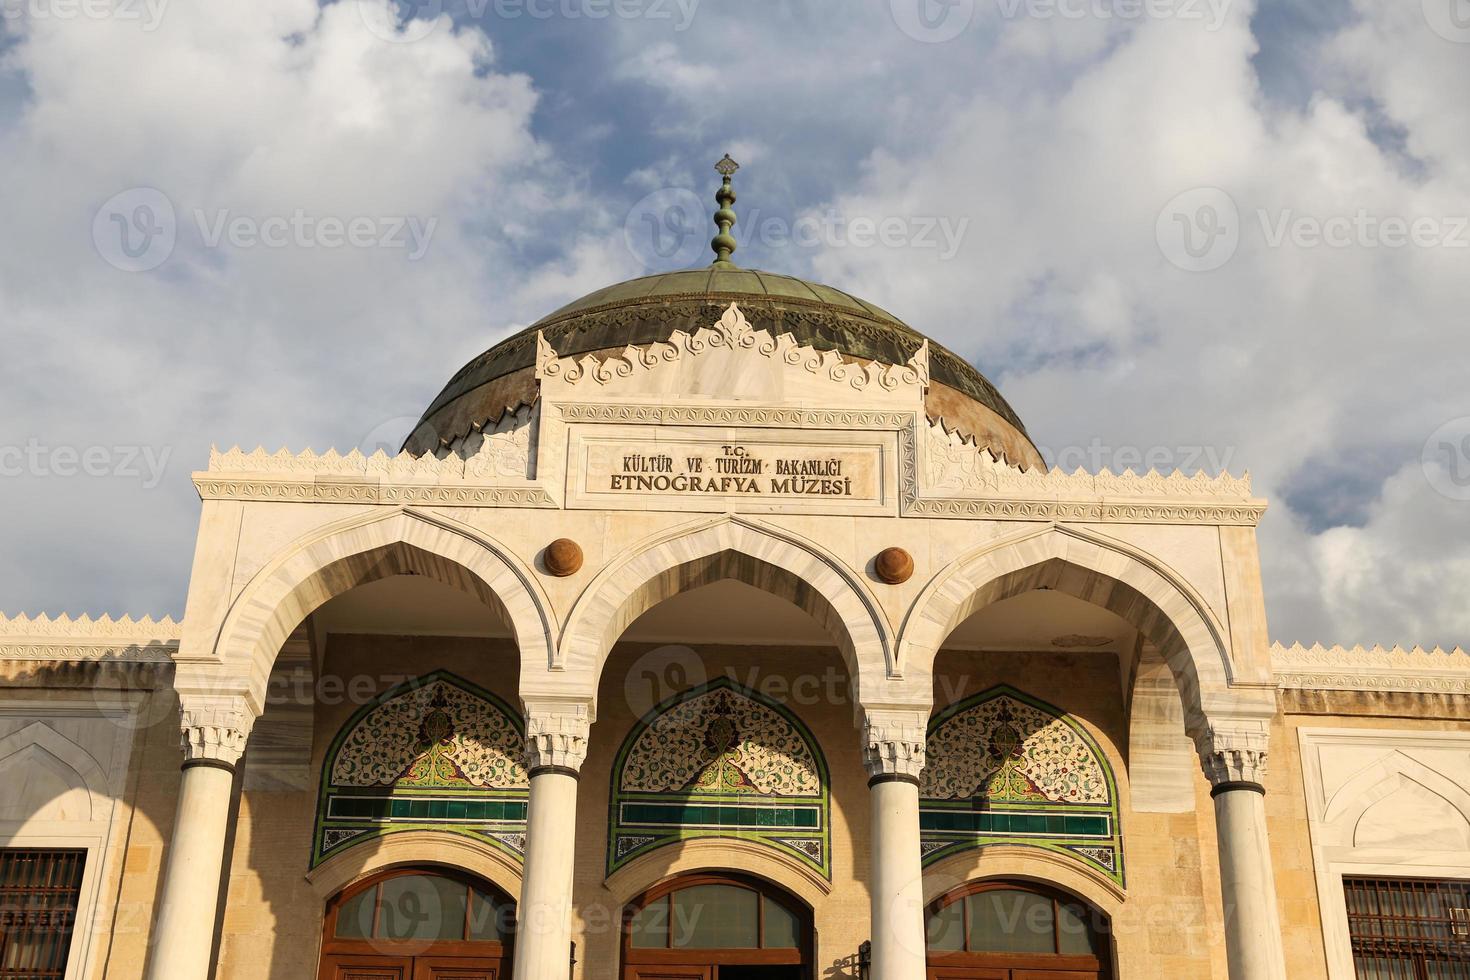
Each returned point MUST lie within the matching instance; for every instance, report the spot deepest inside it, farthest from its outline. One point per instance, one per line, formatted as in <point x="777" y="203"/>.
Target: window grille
<point x="39" y="891"/>
<point x="1409" y="928"/>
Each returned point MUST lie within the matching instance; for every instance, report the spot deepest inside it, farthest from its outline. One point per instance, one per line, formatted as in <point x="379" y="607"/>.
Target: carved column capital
<point x="556" y="735"/>
<point x="214" y="728"/>
<point x="1233" y="755"/>
<point x="893" y="742"/>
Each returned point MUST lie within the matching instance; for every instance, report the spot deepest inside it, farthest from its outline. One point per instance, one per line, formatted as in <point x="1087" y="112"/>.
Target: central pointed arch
<point x="768" y="558"/>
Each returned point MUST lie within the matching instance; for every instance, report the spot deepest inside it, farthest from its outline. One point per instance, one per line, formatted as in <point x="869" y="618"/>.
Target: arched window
<point x="1014" y="928"/>
<point x="717" y="927"/>
<point x="416" y="922"/>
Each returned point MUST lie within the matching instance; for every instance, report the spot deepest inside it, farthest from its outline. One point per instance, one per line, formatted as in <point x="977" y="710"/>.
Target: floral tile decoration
<point x="434" y="753"/>
<point x="1006" y="768"/>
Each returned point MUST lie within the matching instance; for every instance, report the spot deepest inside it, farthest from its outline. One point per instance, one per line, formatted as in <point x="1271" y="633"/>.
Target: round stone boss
<point x="894" y="566"/>
<point x="563" y="557"/>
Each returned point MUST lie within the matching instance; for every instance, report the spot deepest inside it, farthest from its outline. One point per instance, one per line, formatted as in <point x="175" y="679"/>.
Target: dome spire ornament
<point x="724" y="243"/>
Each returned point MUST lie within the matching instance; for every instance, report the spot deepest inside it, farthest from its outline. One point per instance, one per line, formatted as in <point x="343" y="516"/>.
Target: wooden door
<point x="1053" y="975"/>
<point x="352" y="967"/>
<point x="967" y="973"/>
<point x="456" y="968"/>
<point x="668" y="973"/>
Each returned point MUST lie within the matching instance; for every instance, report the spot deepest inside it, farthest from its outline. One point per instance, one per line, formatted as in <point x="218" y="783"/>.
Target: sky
<point x="1206" y="234"/>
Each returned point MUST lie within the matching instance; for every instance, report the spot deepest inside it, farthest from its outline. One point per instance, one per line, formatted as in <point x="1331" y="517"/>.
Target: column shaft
<point x="543" y="940"/>
<point x="185" y="931"/>
<point x="1252" y="926"/>
<point x="556" y="746"/>
<point x="898" y="881"/>
<point x="1233" y="754"/>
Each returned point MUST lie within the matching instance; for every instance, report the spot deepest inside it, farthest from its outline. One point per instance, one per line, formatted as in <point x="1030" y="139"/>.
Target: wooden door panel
<point x="366" y="968"/>
<point x="667" y="973"/>
<point x="1053" y="975"/>
<point x="456" y="968"/>
<point x="967" y="973"/>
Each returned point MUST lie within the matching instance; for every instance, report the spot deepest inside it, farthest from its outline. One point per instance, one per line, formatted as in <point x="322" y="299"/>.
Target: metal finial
<point x="724" y="243"/>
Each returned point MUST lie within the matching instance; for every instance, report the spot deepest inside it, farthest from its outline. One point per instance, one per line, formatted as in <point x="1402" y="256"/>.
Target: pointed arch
<point x="1382" y="779"/>
<point x="1106" y="572"/>
<point x="341" y="557"/>
<point x="41" y="749"/>
<point x="768" y="558"/>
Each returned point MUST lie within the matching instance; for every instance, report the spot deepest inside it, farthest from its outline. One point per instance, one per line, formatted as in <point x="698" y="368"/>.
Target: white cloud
<point x="263" y="113"/>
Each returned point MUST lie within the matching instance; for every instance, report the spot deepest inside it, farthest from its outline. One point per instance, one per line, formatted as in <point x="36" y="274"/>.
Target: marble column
<point x="1234" y="760"/>
<point x="556" y="747"/>
<point x="893" y="751"/>
<point x="214" y="733"/>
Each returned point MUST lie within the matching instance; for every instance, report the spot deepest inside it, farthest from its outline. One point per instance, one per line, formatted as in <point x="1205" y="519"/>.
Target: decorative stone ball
<point x="563" y="557"/>
<point x="894" y="565"/>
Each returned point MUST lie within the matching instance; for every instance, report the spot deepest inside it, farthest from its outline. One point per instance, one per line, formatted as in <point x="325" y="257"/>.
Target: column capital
<point x="556" y="734"/>
<point x="893" y="742"/>
<point x="1234" y="751"/>
<point x="214" y="728"/>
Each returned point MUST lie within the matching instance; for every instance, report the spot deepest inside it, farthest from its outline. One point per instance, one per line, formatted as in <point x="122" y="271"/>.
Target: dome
<point x="649" y="309"/>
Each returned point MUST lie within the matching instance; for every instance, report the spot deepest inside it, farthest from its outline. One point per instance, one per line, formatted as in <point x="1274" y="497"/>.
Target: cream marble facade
<point x="1249" y="777"/>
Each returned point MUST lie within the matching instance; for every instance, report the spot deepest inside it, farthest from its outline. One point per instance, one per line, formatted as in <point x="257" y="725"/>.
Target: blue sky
<point x="1060" y="142"/>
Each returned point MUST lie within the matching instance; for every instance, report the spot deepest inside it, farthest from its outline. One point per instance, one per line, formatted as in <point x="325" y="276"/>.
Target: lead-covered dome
<point x="648" y="310"/>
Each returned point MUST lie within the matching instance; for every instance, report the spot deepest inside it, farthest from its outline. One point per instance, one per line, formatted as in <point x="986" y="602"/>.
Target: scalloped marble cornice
<point x="144" y="640"/>
<point x="733" y="332"/>
<point x="1319" y="668"/>
<point x="954" y="477"/>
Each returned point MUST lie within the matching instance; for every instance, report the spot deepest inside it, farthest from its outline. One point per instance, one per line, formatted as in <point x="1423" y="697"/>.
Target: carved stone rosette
<point x="214" y="729"/>
<point x="893" y="743"/>
<point x="1233" y="755"/>
<point x="556" y="736"/>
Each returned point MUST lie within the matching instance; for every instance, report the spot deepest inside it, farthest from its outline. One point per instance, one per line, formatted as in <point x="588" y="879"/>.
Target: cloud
<point x="266" y="131"/>
<point x="1058" y="142"/>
